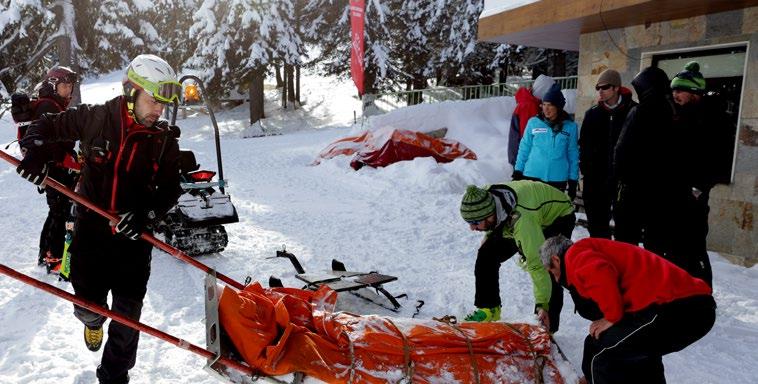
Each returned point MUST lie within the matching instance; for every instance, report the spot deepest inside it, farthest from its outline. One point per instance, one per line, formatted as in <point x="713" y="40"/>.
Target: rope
<point x="539" y="360"/>
<point x="406" y="352"/>
<point x="452" y="321"/>
<point x="351" y="348"/>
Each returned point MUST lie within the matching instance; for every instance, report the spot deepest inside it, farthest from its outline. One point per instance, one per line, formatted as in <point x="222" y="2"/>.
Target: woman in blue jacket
<point x="549" y="150"/>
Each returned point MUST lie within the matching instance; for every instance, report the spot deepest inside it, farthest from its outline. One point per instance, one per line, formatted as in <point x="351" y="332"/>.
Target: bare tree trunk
<point x="289" y="73"/>
<point x="284" y="88"/>
<point x="297" y="85"/>
<point x="68" y="43"/>
<point x="256" y="96"/>
<point x="279" y="80"/>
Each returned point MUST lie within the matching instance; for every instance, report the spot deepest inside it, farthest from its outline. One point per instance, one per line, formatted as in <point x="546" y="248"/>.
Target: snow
<point x="401" y="220"/>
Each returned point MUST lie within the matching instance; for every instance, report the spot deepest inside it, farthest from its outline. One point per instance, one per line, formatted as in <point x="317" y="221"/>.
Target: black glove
<point x="130" y="225"/>
<point x="571" y="191"/>
<point x="517" y="175"/>
<point x="33" y="167"/>
<point x="20" y="107"/>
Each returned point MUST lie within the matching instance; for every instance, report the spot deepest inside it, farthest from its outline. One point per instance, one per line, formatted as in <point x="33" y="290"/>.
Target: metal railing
<point x="384" y="102"/>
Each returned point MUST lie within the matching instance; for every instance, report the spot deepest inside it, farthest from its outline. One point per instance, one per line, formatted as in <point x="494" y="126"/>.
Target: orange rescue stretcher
<point x="286" y="334"/>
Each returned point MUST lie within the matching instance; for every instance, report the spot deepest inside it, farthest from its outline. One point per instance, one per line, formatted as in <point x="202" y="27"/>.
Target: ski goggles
<point x="168" y="92"/>
<point x="71" y="78"/>
<point x="165" y="92"/>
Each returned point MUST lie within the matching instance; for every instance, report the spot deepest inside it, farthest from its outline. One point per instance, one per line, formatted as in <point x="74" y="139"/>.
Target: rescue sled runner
<point x="340" y="279"/>
<point x="282" y="335"/>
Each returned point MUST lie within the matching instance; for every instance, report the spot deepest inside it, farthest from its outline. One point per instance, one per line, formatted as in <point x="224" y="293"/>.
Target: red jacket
<point x="623" y="278"/>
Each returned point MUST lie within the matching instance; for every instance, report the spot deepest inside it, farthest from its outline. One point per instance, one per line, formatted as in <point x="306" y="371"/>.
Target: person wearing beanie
<point x="651" y="190"/>
<point x="690" y="80"/>
<point x="527" y="106"/>
<point x="600" y="130"/>
<point x="549" y="151"/>
<point x="516" y="217"/>
<point x="707" y="132"/>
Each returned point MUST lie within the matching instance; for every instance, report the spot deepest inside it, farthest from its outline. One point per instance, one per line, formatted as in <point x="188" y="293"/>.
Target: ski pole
<point x="115" y="219"/>
<point x="181" y="343"/>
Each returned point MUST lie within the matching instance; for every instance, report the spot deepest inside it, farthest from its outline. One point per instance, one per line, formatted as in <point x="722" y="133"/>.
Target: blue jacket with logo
<point x="549" y="154"/>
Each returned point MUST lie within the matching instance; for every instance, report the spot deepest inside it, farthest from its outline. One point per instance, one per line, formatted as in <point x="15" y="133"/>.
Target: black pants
<point x="497" y="249"/>
<point x="692" y="247"/>
<point x="598" y="200"/>
<point x="53" y="233"/>
<point x="631" y="350"/>
<point x="103" y="262"/>
<point x="672" y="226"/>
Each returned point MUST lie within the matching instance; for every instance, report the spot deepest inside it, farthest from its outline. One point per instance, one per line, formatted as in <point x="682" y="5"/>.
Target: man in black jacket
<point x="647" y="165"/>
<point x="130" y="169"/>
<point x="600" y="131"/>
<point x="708" y="133"/>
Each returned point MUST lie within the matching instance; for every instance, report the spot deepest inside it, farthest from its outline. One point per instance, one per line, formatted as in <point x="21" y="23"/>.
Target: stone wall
<point x="734" y="207"/>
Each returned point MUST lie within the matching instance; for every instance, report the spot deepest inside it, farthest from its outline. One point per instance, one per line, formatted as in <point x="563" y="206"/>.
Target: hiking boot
<point x="42" y="256"/>
<point x="93" y="338"/>
<point x="104" y="378"/>
<point x="484" y="315"/>
<point x="53" y="266"/>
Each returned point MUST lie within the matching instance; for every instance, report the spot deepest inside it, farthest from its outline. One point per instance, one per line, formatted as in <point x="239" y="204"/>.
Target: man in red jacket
<point x="641" y="306"/>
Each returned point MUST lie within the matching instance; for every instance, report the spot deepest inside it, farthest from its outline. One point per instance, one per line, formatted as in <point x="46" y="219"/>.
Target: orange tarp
<point x="283" y="330"/>
<point x="388" y="145"/>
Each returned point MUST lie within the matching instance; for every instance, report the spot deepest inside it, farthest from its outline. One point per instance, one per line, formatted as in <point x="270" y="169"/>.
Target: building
<point x="628" y="35"/>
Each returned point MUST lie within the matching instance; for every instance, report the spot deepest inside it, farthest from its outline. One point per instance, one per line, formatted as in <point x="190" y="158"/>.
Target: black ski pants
<point x="53" y="233"/>
<point x="692" y="247"/>
<point x="672" y="226"/>
<point x="631" y="350"/>
<point x="102" y="262"/>
<point x="497" y="249"/>
<point x="598" y="199"/>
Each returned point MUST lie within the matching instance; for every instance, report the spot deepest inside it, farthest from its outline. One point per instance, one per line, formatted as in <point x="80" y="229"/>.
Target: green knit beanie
<point x="690" y="80"/>
<point x="477" y="204"/>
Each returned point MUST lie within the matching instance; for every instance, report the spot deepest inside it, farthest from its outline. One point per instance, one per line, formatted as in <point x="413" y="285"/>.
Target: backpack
<point x="23" y="110"/>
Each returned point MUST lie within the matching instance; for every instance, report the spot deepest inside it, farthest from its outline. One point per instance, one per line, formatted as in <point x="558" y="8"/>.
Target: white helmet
<point x="154" y="76"/>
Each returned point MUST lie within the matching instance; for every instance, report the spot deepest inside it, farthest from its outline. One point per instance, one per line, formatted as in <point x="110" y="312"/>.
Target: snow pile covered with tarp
<point x="284" y="330"/>
<point x="388" y="145"/>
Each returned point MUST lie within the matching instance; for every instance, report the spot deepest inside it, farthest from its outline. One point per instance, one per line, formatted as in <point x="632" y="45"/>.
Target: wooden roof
<point x="558" y="23"/>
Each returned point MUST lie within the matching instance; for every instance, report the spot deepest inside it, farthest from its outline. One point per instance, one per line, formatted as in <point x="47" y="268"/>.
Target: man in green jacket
<point x="516" y="217"/>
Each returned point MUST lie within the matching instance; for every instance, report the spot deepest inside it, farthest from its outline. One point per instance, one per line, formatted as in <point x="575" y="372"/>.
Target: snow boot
<point x="53" y="265"/>
<point x="42" y="256"/>
<point x="104" y="378"/>
<point x="93" y="338"/>
<point x="484" y="315"/>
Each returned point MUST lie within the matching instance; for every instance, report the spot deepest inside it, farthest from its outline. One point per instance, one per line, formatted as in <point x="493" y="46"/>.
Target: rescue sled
<point x="281" y="335"/>
<point x="286" y="334"/>
<point x="340" y="279"/>
<point x="196" y="224"/>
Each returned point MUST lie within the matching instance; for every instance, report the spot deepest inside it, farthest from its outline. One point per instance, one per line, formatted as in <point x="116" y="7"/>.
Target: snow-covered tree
<point x="27" y="33"/>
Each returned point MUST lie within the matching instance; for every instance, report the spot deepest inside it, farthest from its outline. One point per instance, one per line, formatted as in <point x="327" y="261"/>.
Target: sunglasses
<point x="474" y="222"/>
<point x="603" y="87"/>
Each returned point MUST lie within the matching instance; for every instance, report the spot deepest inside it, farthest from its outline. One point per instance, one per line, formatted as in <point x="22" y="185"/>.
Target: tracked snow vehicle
<point x="196" y="224"/>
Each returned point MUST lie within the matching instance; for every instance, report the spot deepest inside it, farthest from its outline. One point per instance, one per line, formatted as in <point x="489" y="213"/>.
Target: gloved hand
<point x="571" y="191"/>
<point x="130" y="225"/>
<point x="20" y="109"/>
<point x="33" y="168"/>
<point x="517" y="175"/>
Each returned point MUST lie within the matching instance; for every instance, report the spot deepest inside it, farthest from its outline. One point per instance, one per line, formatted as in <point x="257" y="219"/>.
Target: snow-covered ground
<point x="401" y="220"/>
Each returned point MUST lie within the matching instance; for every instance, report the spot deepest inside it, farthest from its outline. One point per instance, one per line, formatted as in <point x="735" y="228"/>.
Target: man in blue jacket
<point x="549" y="150"/>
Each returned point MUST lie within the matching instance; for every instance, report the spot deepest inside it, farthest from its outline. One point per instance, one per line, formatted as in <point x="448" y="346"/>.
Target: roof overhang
<point x="559" y="23"/>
